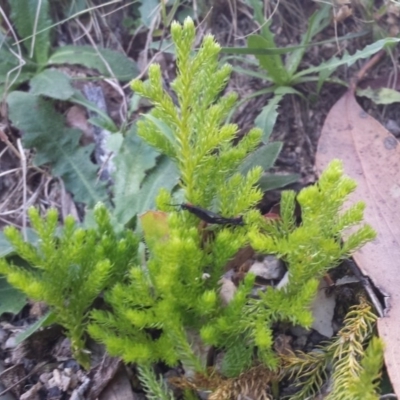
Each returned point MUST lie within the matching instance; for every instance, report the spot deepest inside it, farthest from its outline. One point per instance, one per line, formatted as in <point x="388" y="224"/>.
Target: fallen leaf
<point x="371" y="156"/>
<point x="119" y="387"/>
<point x="102" y="374"/>
<point x="322" y="309"/>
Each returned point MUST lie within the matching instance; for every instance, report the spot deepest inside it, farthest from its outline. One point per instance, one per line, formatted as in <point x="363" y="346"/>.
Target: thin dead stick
<point x="92" y="42"/>
<point x="24" y="187"/>
<point x="17" y="54"/>
<point x="34" y="371"/>
<point x="4" y="138"/>
<point x="365" y="68"/>
<point x="245" y="12"/>
<point x="10" y="171"/>
<point x="66" y="20"/>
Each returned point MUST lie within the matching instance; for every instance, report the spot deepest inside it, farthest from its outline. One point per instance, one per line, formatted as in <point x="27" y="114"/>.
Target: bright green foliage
<point x="177" y="291"/>
<point x="171" y="294"/>
<point x="69" y="270"/>
<point x="155" y="388"/>
<point x="192" y="133"/>
<point x="314" y="247"/>
<point x="354" y="370"/>
<point x="308" y="250"/>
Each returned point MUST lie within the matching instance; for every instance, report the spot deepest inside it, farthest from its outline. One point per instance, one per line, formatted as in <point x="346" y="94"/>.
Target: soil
<point x="298" y="127"/>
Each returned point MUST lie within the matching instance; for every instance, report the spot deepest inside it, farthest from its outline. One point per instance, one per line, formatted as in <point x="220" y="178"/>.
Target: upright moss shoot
<point x="69" y="269"/>
<point x="178" y="290"/>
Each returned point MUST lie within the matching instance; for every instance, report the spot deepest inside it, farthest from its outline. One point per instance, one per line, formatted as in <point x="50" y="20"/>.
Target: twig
<point x="24" y="187"/>
<point x="34" y="371"/>
<point x="364" y="69"/>
<point x="18" y="55"/>
<point x="78" y="393"/>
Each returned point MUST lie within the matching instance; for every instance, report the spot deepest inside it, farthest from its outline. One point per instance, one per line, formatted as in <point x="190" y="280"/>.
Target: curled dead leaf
<point x="371" y="156"/>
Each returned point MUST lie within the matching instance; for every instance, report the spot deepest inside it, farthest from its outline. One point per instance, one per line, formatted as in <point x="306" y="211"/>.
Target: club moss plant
<point x="177" y="292"/>
<point x="69" y="269"/>
<point x="166" y="307"/>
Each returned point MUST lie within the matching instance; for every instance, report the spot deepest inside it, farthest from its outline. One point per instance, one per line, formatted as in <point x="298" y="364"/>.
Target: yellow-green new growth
<point x="69" y="269"/>
<point x="192" y="130"/>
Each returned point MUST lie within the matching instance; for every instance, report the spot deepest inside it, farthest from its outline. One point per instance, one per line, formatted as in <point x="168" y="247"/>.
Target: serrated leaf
<point x="381" y="95"/>
<point x="11" y="300"/>
<point x="289" y="49"/>
<point x="52" y="83"/>
<point x="164" y="175"/>
<point x="272" y="63"/>
<point x="44" y="130"/>
<point x="132" y="161"/>
<point x="267" y="118"/>
<point x="350" y="59"/>
<point x="265" y="156"/>
<point x="270" y="182"/>
<point x="108" y="62"/>
<point x="29" y="17"/>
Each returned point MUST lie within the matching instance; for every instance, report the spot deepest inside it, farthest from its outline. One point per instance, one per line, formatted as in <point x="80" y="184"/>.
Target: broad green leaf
<point x="44" y="129"/>
<point x="149" y="11"/>
<point x="380" y="96"/>
<point x="12" y="70"/>
<point x="265" y="156"/>
<point x="11" y="300"/>
<point x="273" y="63"/>
<point x="29" y="17"/>
<point x="349" y="59"/>
<point x="267" y="118"/>
<point x="5" y="246"/>
<point x="164" y="175"/>
<point x="270" y="182"/>
<point x="52" y="83"/>
<point x="134" y="158"/>
<point x="108" y="62"/>
<point x="46" y="320"/>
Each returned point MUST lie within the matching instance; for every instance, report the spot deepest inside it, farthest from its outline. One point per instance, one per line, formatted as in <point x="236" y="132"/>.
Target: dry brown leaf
<point x="119" y="387"/>
<point x="102" y="374"/>
<point x="371" y="156"/>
